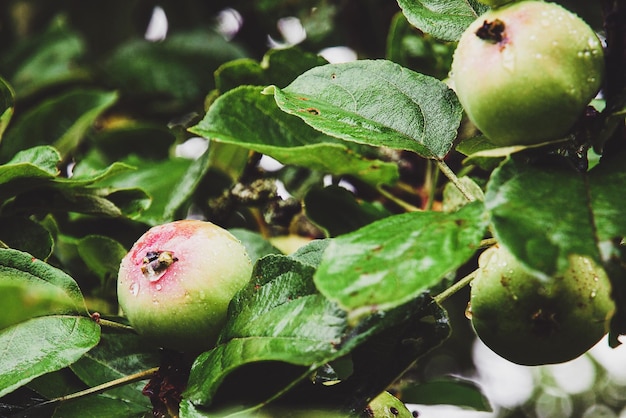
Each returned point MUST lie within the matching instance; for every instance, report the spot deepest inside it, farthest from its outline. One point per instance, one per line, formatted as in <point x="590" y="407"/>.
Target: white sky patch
<point x="270" y="164"/>
<point x="157" y="28"/>
<point x="338" y="54"/>
<point x="192" y="148"/>
<point x="291" y="30"/>
<point x="229" y="22"/>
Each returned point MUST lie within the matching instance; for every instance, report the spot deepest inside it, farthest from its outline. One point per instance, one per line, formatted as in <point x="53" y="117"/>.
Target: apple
<point x="531" y="320"/>
<point x="525" y="72"/>
<point x="175" y="283"/>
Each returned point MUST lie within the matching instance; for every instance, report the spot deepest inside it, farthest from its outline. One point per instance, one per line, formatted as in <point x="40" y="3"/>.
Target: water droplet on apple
<point x="158" y="287"/>
<point x="468" y="311"/>
<point x="134" y="289"/>
<point x="508" y="59"/>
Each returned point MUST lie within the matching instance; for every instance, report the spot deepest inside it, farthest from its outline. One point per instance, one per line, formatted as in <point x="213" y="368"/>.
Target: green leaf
<point x="7" y="105"/>
<point x="60" y="121"/>
<point x="545" y="213"/>
<point x="256" y="246"/>
<point x="26" y="235"/>
<point x="178" y="68"/>
<point x="22" y="268"/>
<point x="391" y="261"/>
<point x="447" y="391"/>
<point x="48" y="58"/>
<point x="43" y="345"/>
<point x="444" y="20"/>
<point x="377" y="103"/>
<point x="101" y="254"/>
<point x="280" y="329"/>
<point x="347" y="215"/>
<point x="28" y="169"/>
<point x="117" y="356"/>
<point x="247" y="118"/>
<point x="279" y="67"/>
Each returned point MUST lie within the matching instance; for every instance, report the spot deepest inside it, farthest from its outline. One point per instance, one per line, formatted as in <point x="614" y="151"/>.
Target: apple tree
<point x="206" y="212"/>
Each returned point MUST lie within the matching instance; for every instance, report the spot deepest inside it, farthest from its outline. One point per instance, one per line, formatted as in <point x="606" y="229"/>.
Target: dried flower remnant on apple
<point x="524" y="72"/>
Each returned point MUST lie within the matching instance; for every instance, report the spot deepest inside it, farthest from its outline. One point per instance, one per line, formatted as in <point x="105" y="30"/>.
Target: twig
<point x="447" y="171"/>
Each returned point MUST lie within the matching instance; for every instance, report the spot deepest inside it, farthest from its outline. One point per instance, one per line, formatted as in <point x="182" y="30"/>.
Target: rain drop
<point x="468" y="311"/>
<point x="158" y="287"/>
<point x="134" y="289"/>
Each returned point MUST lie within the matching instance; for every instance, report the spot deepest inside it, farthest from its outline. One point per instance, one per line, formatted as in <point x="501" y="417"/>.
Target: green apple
<point x="532" y="320"/>
<point x="525" y="72"/>
<point x="177" y="280"/>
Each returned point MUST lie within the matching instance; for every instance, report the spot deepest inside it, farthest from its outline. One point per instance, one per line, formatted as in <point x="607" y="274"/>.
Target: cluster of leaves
<point x="88" y="126"/>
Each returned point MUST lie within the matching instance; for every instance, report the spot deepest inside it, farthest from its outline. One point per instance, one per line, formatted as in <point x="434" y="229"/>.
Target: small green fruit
<point x="176" y="282"/>
<point x="526" y="71"/>
<point x="531" y="321"/>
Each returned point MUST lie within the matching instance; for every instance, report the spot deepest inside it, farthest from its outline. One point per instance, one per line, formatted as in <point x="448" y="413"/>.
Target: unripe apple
<point x="532" y="320"/>
<point x="525" y="72"/>
<point x="177" y="280"/>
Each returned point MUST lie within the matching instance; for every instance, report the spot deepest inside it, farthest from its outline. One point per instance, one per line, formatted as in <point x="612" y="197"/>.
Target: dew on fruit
<point x="134" y="289"/>
<point x="593" y="294"/>
<point x="158" y="287"/>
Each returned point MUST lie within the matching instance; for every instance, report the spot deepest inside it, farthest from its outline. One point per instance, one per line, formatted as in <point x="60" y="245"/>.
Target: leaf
<point x="24" y="234"/>
<point x="391" y="261"/>
<point x="544" y="213"/>
<point x="117" y="356"/>
<point x="22" y="268"/>
<point x="7" y="105"/>
<point x="280" y="329"/>
<point x="178" y="68"/>
<point x="347" y="215"/>
<point x="101" y="254"/>
<point x="447" y="391"/>
<point x="247" y="118"/>
<point x="267" y="323"/>
<point x="279" y="66"/>
<point x="43" y="345"/>
<point x="377" y="103"/>
<point x="256" y="246"/>
<point x="45" y="59"/>
<point x="60" y="121"/>
<point x="444" y="20"/>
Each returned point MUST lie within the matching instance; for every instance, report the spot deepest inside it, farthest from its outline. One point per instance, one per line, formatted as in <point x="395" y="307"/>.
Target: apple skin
<point x="525" y="72"/>
<point x="177" y="280"/>
<point x="532" y="321"/>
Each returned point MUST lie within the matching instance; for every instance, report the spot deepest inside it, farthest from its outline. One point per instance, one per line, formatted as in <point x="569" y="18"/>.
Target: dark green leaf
<point x="447" y="391"/>
<point x="347" y="215"/>
<point x="545" y="213"/>
<point x="377" y="103"/>
<point x="280" y="329"/>
<point x="444" y="20"/>
<point x="247" y="118"/>
<point x="117" y="356"/>
<point x="279" y="67"/>
<point x="43" y="345"/>
<point x="7" y="104"/>
<point x="26" y="235"/>
<point x="101" y="254"/>
<point x="47" y="59"/>
<point x="178" y="68"/>
<point x="60" y="121"/>
<point x="391" y="261"/>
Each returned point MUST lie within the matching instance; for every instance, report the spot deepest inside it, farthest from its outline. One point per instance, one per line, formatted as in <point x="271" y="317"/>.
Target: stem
<point x="487" y="242"/>
<point x="143" y="375"/>
<point x="404" y="205"/>
<point x="447" y="171"/>
<point x="115" y="325"/>
<point x="441" y="297"/>
<point x="432" y="177"/>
